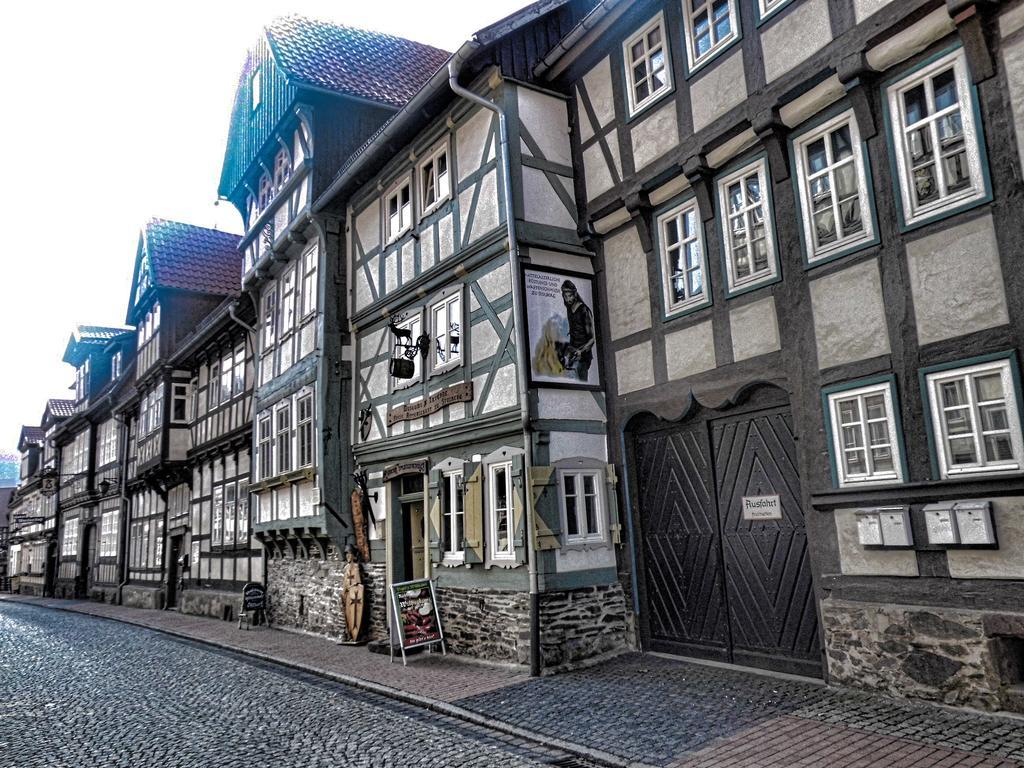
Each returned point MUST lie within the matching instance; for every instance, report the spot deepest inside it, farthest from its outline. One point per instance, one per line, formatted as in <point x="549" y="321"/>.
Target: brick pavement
<point x="642" y="710"/>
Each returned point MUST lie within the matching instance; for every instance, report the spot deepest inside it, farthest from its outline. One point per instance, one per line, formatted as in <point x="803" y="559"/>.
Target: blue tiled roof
<point x="193" y="258"/>
<point x="368" y="65"/>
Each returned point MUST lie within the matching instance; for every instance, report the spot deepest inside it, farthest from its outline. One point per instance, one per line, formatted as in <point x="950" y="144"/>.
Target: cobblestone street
<point x="94" y="683"/>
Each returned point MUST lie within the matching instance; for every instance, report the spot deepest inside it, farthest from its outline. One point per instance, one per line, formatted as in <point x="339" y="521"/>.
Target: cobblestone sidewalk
<point x="639" y="710"/>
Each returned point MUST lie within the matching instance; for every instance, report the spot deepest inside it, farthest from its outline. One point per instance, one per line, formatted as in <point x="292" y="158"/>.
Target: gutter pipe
<point x="454" y="66"/>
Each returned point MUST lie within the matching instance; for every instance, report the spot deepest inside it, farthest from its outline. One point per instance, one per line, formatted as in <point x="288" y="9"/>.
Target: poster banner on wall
<point x="561" y="329"/>
<point x="416" y="621"/>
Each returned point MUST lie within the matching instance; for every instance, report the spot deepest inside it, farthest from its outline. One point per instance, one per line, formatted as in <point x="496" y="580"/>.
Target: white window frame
<point x="242" y="525"/>
<point x="265" y="444"/>
<point x="871" y="477"/>
<point x="444" y="304"/>
<point x="771" y="273"/>
<point x="238" y="376"/>
<point x="392" y="234"/>
<point x="217" y="517"/>
<point x="767" y="8"/>
<point x="583" y="535"/>
<point x="283" y="437"/>
<point x="493" y="509"/>
<point x="286" y="303"/>
<point x="693" y="300"/>
<point x="939" y="426"/>
<point x="817" y="253"/>
<point x="180" y="393"/>
<point x="256" y="88"/>
<point x="635" y="104"/>
<point x="230" y="504"/>
<point x="449" y="520"/>
<point x="310" y="264"/>
<point x="430" y="161"/>
<point x="69" y="542"/>
<point x="304" y="442"/>
<point x="269" y="318"/>
<point x="978" y="190"/>
<point x="694" y="60"/>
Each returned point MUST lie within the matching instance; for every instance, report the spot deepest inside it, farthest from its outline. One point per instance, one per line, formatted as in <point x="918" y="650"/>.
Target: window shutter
<point x="612" y="496"/>
<point x="518" y="509"/>
<point x="434" y="518"/>
<point x="543" y="482"/>
<point x="473" y="509"/>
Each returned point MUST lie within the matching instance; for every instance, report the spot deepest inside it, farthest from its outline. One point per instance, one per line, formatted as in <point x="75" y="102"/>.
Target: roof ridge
<point x="338" y="25"/>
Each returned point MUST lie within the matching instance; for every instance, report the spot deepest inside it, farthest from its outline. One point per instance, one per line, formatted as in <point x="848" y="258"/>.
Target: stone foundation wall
<point x="376" y="617"/>
<point x="305" y="593"/>
<point x="959" y="657"/>
<point x="30" y="588"/>
<point x="64" y="590"/>
<point x="210" y="602"/>
<point x="106" y="593"/>
<point x="135" y="596"/>
<point x="576" y="625"/>
<point x="581" y="624"/>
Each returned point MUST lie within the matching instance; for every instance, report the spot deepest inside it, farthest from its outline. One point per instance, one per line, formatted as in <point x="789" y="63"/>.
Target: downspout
<point x="122" y="560"/>
<point x="454" y="66"/>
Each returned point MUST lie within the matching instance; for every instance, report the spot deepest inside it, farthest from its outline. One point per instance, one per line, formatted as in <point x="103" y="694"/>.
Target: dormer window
<point x="282" y="169"/>
<point x="115" y="366"/>
<point x="256" y="86"/>
<point x="82" y="381"/>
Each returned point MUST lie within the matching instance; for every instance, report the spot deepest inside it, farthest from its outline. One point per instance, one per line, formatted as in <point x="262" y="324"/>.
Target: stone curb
<point x="602" y="758"/>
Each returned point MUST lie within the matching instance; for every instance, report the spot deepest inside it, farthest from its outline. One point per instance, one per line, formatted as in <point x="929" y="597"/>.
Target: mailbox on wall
<point x="884" y="527"/>
<point x="960" y="523"/>
<point x="940" y="522"/>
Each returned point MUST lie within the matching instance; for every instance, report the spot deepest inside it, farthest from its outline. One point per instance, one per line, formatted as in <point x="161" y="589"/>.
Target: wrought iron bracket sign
<point x="459" y="393"/>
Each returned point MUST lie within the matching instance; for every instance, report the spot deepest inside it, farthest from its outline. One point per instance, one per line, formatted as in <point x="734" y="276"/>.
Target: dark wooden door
<point x="772" y="615"/>
<point x="714" y="584"/>
<point x="682" y="563"/>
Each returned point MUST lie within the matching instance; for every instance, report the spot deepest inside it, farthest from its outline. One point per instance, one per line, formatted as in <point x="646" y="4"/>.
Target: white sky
<point x="115" y="112"/>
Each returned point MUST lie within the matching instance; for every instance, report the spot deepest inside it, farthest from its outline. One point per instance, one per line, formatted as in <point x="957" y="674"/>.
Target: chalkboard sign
<point x="416" y="619"/>
<point x="254" y="597"/>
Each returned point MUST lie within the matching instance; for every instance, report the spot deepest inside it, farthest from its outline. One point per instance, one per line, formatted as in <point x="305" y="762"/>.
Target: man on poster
<point x="577" y="356"/>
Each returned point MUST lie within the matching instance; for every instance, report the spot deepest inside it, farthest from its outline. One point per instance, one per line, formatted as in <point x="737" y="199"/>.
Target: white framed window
<point x="683" y="258"/>
<point x="287" y="302"/>
<point x="69" y="544"/>
<point x="743" y="199"/>
<point x="213" y="389"/>
<point x="581" y="505"/>
<point x="937" y="144"/>
<point x="397" y="210"/>
<point x="217" y="534"/>
<point x="974" y="418"/>
<point x="266" y="192"/>
<point x="242" y="532"/>
<point x="834" y="188"/>
<point x="710" y="25"/>
<point x="265" y="446"/>
<point x="766" y="8"/>
<point x="269" y="319"/>
<point x="865" y="436"/>
<point x="227" y="373"/>
<point x="309" y="286"/>
<point x="499" y="499"/>
<point x="115" y="366"/>
<point x="304" y="419"/>
<point x="413" y="324"/>
<point x="109" y="524"/>
<point x="283" y="439"/>
<point x="282" y="169"/>
<point x="179" y="404"/>
<point x="230" y="499"/>
<point x="453" y="514"/>
<point x="435" y="179"/>
<point x="446" y="327"/>
<point x="256" y="87"/>
<point x="648" y="70"/>
<point x="238" y="378"/>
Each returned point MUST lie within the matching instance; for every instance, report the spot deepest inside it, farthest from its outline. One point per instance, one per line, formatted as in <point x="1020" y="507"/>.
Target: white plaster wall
<point x="566" y="445"/>
<point x="541" y="202"/>
<point x="854" y="560"/>
<point x="629" y="298"/>
<point x="568" y="404"/>
<point x="368" y="226"/>
<point x="567" y="560"/>
<point x="596" y="173"/>
<point x="795" y="37"/>
<point x="655" y="135"/>
<point x="598" y="85"/>
<point x="690" y="351"/>
<point x="470" y="139"/>
<point x="496" y="283"/>
<point x="547" y="120"/>
<point x="849" y="317"/>
<point x="718" y="89"/>
<point x="956" y="281"/>
<point x="755" y="329"/>
<point x="634" y="367"/>
<point x="1007" y="562"/>
<point x="864" y="8"/>
<point x="486" y="217"/>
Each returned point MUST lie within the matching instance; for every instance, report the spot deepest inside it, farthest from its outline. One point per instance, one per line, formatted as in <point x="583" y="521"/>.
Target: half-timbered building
<point x="309" y="94"/>
<point x="805" y="215"/>
<point x="182" y="273"/>
<point x="217" y="555"/>
<point x="89" y="492"/>
<point x="33" y="507"/>
<point x="477" y="411"/>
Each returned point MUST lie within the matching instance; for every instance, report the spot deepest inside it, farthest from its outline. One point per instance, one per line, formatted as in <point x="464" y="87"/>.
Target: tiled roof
<point x="61" y="409"/>
<point x="32" y="434"/>
<point x="98" y="332"/>
<point x="193" y="258"/>
<point x="369" y="65"/>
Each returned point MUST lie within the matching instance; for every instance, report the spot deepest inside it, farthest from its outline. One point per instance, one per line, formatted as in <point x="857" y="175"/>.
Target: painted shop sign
<point x="561" y="329"/>
<point x="254" y="597"/>
<point x="459" y="393"/>
<point x="405" y="468"/>
<point x="416" y="621"/>
<point x="762" y="508"/>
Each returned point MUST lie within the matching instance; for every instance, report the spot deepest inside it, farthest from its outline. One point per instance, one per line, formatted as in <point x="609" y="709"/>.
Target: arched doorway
<point x="724" y="565"/>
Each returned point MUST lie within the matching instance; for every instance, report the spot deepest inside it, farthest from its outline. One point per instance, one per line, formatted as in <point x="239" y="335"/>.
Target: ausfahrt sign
<point x="762" y="508"/>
